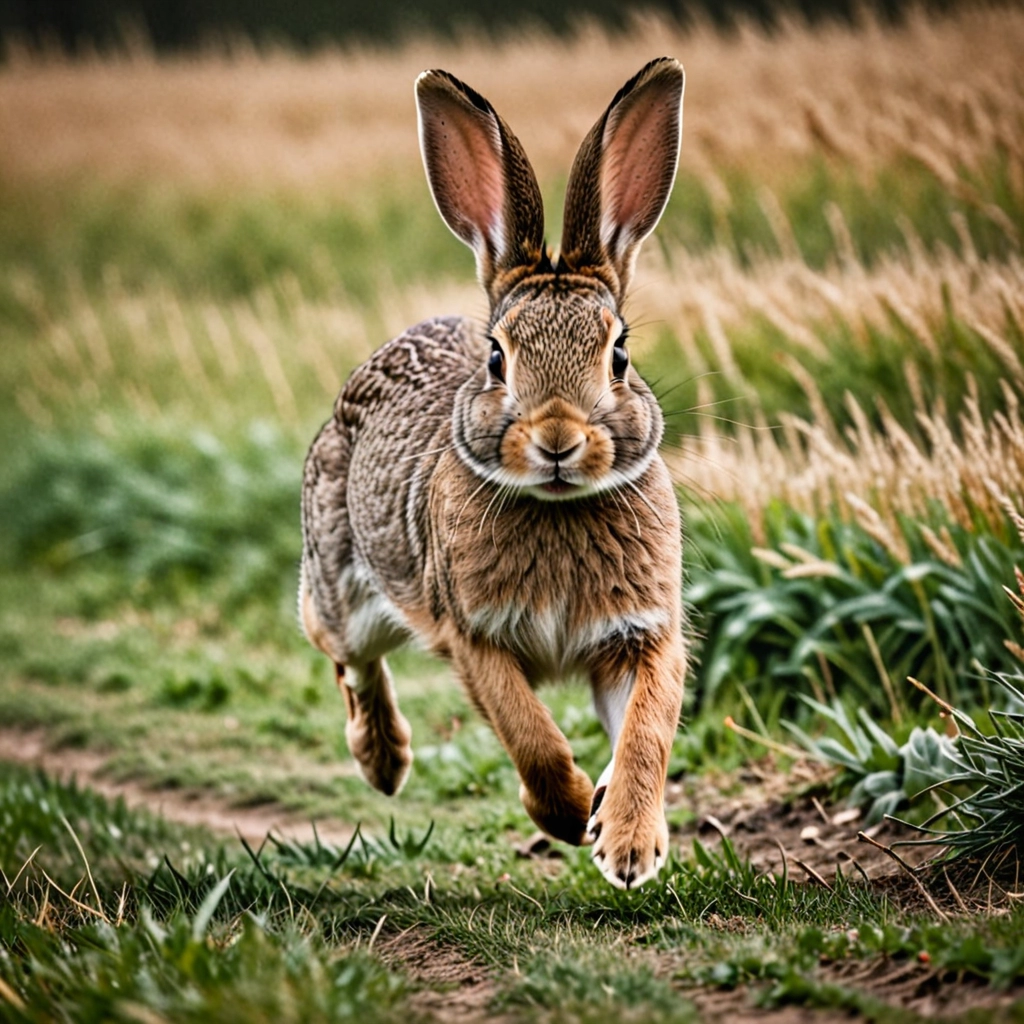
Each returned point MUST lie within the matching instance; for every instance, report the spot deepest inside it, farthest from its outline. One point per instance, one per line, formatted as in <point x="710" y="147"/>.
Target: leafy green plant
<point x="989" y="819"/>
<point x="851" y="620"/>
<point x="472" y="763"/>
<point x="881" y="774"/>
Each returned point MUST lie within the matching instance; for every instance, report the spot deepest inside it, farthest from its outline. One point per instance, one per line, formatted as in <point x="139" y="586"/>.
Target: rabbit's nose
<point x="560" y="455"/>
<point x="557" y="442"/>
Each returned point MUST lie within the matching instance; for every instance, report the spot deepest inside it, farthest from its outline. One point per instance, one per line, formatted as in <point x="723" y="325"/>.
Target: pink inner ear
<point x="637" y="166"/>
<point x="468" y="177"/>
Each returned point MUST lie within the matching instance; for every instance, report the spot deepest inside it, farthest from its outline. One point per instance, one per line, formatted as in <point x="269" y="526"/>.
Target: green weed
<point x="878" y="773"/>
<point x="860" y="621"/>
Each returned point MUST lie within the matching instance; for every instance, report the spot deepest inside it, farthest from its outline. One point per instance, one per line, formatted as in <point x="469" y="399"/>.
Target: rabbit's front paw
<point x="562" y="812"/>
<point x="630" y="842"/>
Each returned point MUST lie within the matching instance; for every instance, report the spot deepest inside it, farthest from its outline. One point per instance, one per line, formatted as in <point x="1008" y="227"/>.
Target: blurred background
<point x="311" y="23"/>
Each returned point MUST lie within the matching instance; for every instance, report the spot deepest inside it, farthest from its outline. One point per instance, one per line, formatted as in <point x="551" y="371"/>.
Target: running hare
<point x="497" y="491"/>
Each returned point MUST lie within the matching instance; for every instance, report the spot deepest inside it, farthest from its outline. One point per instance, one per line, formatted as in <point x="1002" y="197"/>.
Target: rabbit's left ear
<point x="623" y="174"/>
<point x="481" y="180"/>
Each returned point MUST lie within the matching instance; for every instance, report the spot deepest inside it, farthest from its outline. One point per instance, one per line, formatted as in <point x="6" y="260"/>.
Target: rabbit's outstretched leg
<point x="627" y="823"/>
<point x="555" y="792"/>
<point x="378" y="734"/>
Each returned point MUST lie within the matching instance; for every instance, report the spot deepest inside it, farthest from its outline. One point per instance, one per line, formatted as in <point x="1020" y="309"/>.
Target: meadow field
<point x="195" y="251"/>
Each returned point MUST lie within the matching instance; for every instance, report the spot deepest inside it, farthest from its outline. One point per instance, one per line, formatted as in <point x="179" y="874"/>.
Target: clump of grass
<point x="179" y="967"/>
<point x="36" y="811"/>
<point x="473" y="764"/>
<point x="587" y="989"/>
<point x="892" y="482"/>
<point x="989" y="820"/>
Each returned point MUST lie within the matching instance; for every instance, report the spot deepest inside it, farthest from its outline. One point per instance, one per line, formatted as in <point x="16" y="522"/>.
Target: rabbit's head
<point x="555" y="409"/>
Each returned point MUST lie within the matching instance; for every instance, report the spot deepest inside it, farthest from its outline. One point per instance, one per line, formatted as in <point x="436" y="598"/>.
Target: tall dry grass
<point x="282" y="354"/>
<point x="276" y="354"/>
<point x="874" y="477"/>
<point x="946" y="92"/>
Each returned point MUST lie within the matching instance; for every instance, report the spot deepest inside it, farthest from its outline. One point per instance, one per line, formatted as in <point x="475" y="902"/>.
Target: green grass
<point x="876" y="207"/>
<point x="187" y="928"/>
<point x="194" y="527"/>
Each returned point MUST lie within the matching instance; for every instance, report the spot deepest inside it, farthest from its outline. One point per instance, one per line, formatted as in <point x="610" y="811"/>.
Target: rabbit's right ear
<point x="481" y="180"/>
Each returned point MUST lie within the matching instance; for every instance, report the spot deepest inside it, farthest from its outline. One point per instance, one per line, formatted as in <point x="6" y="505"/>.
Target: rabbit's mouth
<point x="559" y="487"/>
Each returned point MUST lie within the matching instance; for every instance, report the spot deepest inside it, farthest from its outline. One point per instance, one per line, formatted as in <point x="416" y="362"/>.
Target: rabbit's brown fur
<point x="498" y="492"/>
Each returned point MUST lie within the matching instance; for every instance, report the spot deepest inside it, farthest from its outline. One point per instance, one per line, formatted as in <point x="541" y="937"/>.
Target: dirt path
<point x="185" y="807"/>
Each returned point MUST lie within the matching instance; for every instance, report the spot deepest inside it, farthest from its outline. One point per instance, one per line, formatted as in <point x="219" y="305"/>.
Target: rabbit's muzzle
<point x="555" y="449"/>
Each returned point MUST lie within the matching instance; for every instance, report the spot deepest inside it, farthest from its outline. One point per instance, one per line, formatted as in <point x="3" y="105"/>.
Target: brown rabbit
<point x="496" y="491"/>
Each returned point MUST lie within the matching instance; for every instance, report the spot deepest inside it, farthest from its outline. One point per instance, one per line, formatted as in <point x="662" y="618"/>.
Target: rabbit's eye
<point x="620" y="362"/>
<point x="496" y="363"/>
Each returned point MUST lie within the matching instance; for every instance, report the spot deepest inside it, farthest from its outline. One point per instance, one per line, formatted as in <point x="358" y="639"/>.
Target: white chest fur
<point x="555" y="639"/>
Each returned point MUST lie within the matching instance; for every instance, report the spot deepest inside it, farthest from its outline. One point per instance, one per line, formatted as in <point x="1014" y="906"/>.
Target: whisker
<point x="697" y="410"/>
<point x="597" y="402"/>
<point x="705" y="494"/>
<point x="448" y="447"/>
<point x="458" y="518"/>
<point x="497" y="494"/>
<point x="679" y="384"/>
<point x="621" y="500"/>
<point x="429" y="451"/>
<point x="706" y="405"/>
<point x="770" y="427"/>
<point x="643" y="497"/>
<point x="675" y="440"/>
<point x="509" y="492"/>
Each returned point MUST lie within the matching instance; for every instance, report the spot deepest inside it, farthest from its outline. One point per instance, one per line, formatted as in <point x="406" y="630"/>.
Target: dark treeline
<point x="182" y="24"/>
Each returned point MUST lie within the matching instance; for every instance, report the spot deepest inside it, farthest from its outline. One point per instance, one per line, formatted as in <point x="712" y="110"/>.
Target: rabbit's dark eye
<point x="620" y="362"/>
<point x="496" y="362"/>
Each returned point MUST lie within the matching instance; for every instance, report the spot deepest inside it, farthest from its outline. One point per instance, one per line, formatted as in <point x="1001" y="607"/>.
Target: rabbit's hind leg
<point x="377" y="733"/>
<point x="345" y="616"/>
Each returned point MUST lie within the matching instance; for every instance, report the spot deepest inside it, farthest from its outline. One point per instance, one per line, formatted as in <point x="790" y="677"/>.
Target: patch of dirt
<point x="751" y="809"/>
<point x="185" y="807"/>
<point x="902" y="984"/>
<point x="455" y="988"/>
<point x="777" y="832"/>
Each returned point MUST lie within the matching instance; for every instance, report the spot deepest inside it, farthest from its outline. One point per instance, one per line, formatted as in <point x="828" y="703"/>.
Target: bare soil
<point x="801" y="834"/>
<point x="455" y="988"/>
<point x="901" y="984"/>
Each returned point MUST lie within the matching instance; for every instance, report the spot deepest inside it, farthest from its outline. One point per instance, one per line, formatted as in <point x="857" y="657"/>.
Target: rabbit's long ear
<point x="622" y="175"/>
<point x="481" y="180"/>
